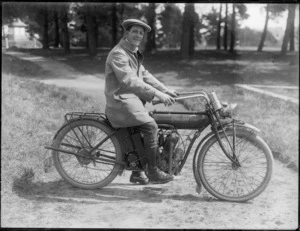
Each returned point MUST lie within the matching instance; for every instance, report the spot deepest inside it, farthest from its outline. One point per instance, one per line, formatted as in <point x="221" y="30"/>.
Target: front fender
<point x="242" y="125"/>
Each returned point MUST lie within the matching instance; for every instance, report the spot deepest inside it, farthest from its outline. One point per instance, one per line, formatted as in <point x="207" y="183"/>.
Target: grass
<point x="31" y="114"/>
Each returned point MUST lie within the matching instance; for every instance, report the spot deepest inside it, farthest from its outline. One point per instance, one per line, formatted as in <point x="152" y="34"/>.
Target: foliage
<point x="276" y="10"/>
<point x="211" y="19"/>
<point x="170" y="32"/>
<point x="242" y="11"/>
<point x="104" y="22"/>
<point x="23" y="184"/>
<point x="249" y="37"/>
<point x="11" y="11"/>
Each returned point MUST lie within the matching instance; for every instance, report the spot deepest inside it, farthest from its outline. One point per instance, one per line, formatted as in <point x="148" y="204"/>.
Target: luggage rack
<point x="81" y="115"/>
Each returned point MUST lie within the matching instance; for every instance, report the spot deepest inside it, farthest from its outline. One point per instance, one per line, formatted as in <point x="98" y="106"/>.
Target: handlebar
<point x="211" y="98"/>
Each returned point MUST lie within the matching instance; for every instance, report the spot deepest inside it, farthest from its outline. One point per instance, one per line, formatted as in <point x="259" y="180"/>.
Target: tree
<point x="236" y="17"/>
<point x="225" y="28"/>
<point x="56" y="29"/>
<point x="232" y="30"/>
<point x="263" y="37"/>
<point x="187" y="39"/>
<point x="63" y="13"/>
<point x="91" y="30"/>
<point x="114" y="22"/>
<point x="289" y="24"/>
<point x="170" y="18"/>
<point x="219" y="28"/>
<point x="151" y="18"/>
<point x="11" y="11"/>
<point x="44" y="12"/>
<point x="272" y="11"/>
<point x="292" y="35"/>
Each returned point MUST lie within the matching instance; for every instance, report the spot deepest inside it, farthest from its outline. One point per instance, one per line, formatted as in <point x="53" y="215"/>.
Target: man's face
<point x="135" y="35"/>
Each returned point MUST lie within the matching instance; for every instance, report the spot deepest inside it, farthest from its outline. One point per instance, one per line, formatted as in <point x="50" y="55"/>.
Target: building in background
<point x="15" y="35"/>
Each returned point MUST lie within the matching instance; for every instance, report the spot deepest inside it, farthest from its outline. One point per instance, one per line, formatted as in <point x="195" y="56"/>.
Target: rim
<point x="86" y="170"/>
<point x="230" y="181"/>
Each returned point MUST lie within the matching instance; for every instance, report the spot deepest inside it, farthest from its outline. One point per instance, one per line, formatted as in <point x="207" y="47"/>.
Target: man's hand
<point x="166" y="99"/>
<point x="172" y="93"/>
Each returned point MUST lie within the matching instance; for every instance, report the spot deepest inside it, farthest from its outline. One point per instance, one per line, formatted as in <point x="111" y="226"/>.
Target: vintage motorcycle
<point x="232" y="162"/>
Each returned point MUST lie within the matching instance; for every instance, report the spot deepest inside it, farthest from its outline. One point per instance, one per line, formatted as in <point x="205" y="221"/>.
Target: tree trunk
<point x="151" y="16"/>
<point x="121" y="13"/>
<point x="289" y="22"/>
<point x="45" y="29"/>
<point x="219" y="29"/>
<point x="96" y="31"/>
<point x="187" y="39"/>
<point x="91" y="34"/>
<point x="114" y="25"/>
<point x="264" y="34"/>
<point x="292" y="34"/>
<point x="56" y="30"/>
<point x="225" y="28"/>
<point x="192" y="32"/>
<point x="232" y="31"/>
<point x="87" y="40"/>
<point x="65" y="30"/>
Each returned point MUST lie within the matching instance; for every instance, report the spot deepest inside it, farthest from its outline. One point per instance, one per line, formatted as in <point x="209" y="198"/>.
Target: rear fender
<point x="76" y="119"/>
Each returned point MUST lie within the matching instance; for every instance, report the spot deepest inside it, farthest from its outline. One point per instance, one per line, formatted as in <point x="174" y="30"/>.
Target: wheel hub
<point x="235" y="166"/>
<point x="84" y="160"/>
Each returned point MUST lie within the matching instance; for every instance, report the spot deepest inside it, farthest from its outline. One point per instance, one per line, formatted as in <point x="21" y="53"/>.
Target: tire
<point x="227" y="182"/>
<point x="85" y="172"/>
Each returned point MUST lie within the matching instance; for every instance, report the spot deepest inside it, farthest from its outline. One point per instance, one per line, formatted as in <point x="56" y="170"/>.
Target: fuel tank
<point x="181" y="120"/>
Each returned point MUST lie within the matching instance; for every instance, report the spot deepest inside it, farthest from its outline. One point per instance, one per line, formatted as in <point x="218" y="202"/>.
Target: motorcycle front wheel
<point x="227" y="181"/>
<point x="86" y="171"/>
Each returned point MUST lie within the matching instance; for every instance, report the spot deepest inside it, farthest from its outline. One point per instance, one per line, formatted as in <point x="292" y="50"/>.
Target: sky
<point x="256" y="13"/>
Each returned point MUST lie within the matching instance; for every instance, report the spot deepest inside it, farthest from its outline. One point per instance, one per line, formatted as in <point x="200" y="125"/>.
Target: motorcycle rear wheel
<point x="226" y="181"/>
<point x="85" y="172"/>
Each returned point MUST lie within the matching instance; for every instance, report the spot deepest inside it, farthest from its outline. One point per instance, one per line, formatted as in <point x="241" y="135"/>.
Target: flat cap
<point x="131" y="22"/>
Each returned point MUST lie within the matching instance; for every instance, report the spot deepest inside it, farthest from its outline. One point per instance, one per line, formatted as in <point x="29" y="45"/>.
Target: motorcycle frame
<point x="125" y="137"/>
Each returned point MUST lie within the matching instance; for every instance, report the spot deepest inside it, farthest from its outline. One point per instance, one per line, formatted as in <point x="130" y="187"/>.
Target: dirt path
<point x="262" y="91"/>
<point x="175" y="205"/>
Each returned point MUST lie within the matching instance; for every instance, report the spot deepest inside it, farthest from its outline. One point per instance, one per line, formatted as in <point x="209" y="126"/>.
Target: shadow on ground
<point x="14" y="65"/>
<point x="60" y="191"/>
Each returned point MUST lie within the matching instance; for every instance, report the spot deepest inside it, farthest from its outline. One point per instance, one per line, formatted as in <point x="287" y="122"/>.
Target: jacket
<point x="128" y="86"/>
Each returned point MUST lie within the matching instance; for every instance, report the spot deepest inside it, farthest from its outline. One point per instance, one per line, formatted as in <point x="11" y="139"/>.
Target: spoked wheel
<point x="90" y="170"/>
<point x="226" y="180"/>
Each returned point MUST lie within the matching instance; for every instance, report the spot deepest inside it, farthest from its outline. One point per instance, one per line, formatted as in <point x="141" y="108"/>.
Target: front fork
<point x="233" y="158"/>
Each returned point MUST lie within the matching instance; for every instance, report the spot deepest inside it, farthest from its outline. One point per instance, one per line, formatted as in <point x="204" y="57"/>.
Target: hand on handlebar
<point x="172" y="93"/>
<point x="165" y="98"/>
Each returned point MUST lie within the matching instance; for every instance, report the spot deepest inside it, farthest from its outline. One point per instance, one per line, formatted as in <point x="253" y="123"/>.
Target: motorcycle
<point x="232" y="161"/>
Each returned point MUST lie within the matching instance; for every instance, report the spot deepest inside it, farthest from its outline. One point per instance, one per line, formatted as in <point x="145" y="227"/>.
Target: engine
<point x="171" y="154"/>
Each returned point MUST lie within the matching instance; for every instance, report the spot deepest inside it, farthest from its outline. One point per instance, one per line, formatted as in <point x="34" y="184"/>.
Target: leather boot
<point x="138" y="177"/>
<point x="155" y="175"/>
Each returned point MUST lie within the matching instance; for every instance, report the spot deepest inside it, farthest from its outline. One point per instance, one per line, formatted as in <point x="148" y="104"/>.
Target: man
<point x="128" y="86"/>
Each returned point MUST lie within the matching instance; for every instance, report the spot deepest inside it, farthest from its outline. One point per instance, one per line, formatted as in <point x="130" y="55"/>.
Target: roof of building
<point x="18" y="23"/>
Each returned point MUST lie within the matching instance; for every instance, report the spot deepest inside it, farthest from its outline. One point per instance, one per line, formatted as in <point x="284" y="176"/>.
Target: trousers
<point x="149" y="131"/>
